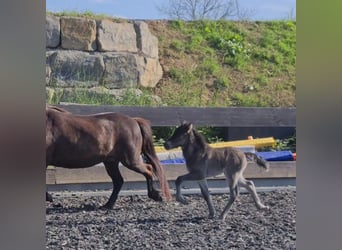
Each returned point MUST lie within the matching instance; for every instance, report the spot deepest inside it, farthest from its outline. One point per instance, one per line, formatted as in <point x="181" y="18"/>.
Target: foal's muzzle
<point x="167" y="145"/>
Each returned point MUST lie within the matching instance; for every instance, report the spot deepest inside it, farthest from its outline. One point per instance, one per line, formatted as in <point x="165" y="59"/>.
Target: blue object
<point x="267" y="155"/>
<point x="276" y="155"/>
<point x="173" y="161"/>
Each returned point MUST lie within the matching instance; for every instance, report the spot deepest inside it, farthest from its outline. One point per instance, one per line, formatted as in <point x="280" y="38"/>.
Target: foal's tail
<point x="260" y="161"/>
<point x="149" y="152"/>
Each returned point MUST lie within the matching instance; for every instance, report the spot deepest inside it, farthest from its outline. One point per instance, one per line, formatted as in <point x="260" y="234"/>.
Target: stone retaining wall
<point x="94" y="54"/>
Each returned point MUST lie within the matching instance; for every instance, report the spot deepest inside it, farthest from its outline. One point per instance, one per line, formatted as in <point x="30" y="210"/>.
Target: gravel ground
<point x="137" y="222"/>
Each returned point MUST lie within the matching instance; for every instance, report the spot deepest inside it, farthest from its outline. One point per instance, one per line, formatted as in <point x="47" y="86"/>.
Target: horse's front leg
<point x="113" y="171"/>
<point x="187" y="177"/>
<point x="48" y="197"/>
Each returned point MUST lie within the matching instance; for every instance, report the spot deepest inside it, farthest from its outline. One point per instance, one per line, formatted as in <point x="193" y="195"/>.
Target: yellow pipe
<point x="257" y="143"/>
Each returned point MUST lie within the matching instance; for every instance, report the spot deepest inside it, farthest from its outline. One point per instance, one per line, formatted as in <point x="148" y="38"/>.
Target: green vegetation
<point x="212" y="134"/>
<point x="76" y="14"/>
<point x="283" y="144"/>
<point x="127" y="97"/>
<point x="225" y="63"/>
<point x="87" y="14"/>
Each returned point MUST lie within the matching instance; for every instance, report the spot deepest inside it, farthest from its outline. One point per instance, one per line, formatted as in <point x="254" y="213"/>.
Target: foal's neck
<point x="195" y="145"/>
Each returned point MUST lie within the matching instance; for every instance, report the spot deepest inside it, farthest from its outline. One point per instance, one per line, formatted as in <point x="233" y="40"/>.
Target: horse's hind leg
<point x="249" y="185"/>
<point x="114" y="173"/>
<point x="147" y="171"/>
<point x="152" y="192"/>
<point x="205" y="192"/>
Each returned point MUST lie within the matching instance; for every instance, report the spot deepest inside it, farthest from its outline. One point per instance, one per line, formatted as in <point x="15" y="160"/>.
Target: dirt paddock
<point x="136" y="222"/>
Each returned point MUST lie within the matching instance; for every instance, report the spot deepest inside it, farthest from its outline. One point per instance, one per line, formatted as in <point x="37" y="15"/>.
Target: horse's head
<point x="180" y="136"/>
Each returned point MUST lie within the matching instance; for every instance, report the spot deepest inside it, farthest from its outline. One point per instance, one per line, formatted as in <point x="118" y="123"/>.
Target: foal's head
<point x="180" y="136"/>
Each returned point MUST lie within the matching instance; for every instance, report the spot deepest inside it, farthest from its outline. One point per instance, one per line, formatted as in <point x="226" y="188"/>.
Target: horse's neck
<point x="196" y="145"/>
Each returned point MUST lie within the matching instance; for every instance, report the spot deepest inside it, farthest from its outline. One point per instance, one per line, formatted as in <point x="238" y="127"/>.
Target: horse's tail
<point x="149" y="152"/>
<point x="47" y="106"/>
<point x="260" y="161"/>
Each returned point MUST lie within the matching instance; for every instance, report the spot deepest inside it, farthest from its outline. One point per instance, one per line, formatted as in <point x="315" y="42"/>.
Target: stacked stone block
<point x="82" y="52"/>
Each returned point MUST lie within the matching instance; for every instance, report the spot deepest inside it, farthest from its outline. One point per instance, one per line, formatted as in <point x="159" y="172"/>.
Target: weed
<point x="177" y="45"/>
<point x="262" y="80"/>
<point x="181" y="76"/>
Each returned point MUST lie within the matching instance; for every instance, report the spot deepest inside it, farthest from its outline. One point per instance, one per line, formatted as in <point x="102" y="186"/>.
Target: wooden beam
<point x="98" y="174"/>
<point x="51" y="176"/>
<point x="219" y="117"/>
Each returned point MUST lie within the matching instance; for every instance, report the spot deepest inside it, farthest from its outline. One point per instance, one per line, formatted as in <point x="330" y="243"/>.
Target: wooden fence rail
<point x="219" y="117"/>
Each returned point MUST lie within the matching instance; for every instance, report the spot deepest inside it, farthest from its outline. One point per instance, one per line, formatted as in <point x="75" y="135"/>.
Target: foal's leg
<point x="249" y="185"/>
<point x="234" y="192"/>
<point x="205" y="192"/>
<point x="180" y="179"/>
<point x="114" y="173"/>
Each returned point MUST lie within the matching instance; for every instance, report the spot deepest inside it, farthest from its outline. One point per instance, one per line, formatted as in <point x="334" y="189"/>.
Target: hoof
<point x="267" y="208"/>
<point x="181" y="199"/>
<point x="222" y="218"/>
<point x="155" y="195"/>
<point x="211" y="216"/>
<point x="48" y="197"/>
<point x="264" y="208"/>
<point x="106" y="207"/>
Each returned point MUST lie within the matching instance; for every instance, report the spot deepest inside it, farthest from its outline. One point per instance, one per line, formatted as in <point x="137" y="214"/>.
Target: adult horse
<point x="81" y="141"/>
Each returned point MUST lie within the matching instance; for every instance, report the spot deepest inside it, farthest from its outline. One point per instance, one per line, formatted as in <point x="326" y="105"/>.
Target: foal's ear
<point x="189" y="128"/>
<point x="188" y="125"/>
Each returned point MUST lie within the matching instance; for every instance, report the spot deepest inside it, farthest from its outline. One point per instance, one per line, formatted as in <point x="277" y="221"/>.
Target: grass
<point x="85" y="14"/>
<point x="218" y="59"/>
<point x="102" y="96"/>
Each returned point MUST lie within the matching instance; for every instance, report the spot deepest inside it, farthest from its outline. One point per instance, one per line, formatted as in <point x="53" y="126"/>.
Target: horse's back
<point x="85" y="140"/>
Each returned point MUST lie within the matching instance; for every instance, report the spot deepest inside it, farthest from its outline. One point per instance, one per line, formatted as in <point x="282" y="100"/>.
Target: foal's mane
<point x="199" y="139"/>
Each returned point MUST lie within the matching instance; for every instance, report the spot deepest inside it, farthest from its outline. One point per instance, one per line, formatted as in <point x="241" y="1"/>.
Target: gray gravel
<point x="137" y="222"/>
